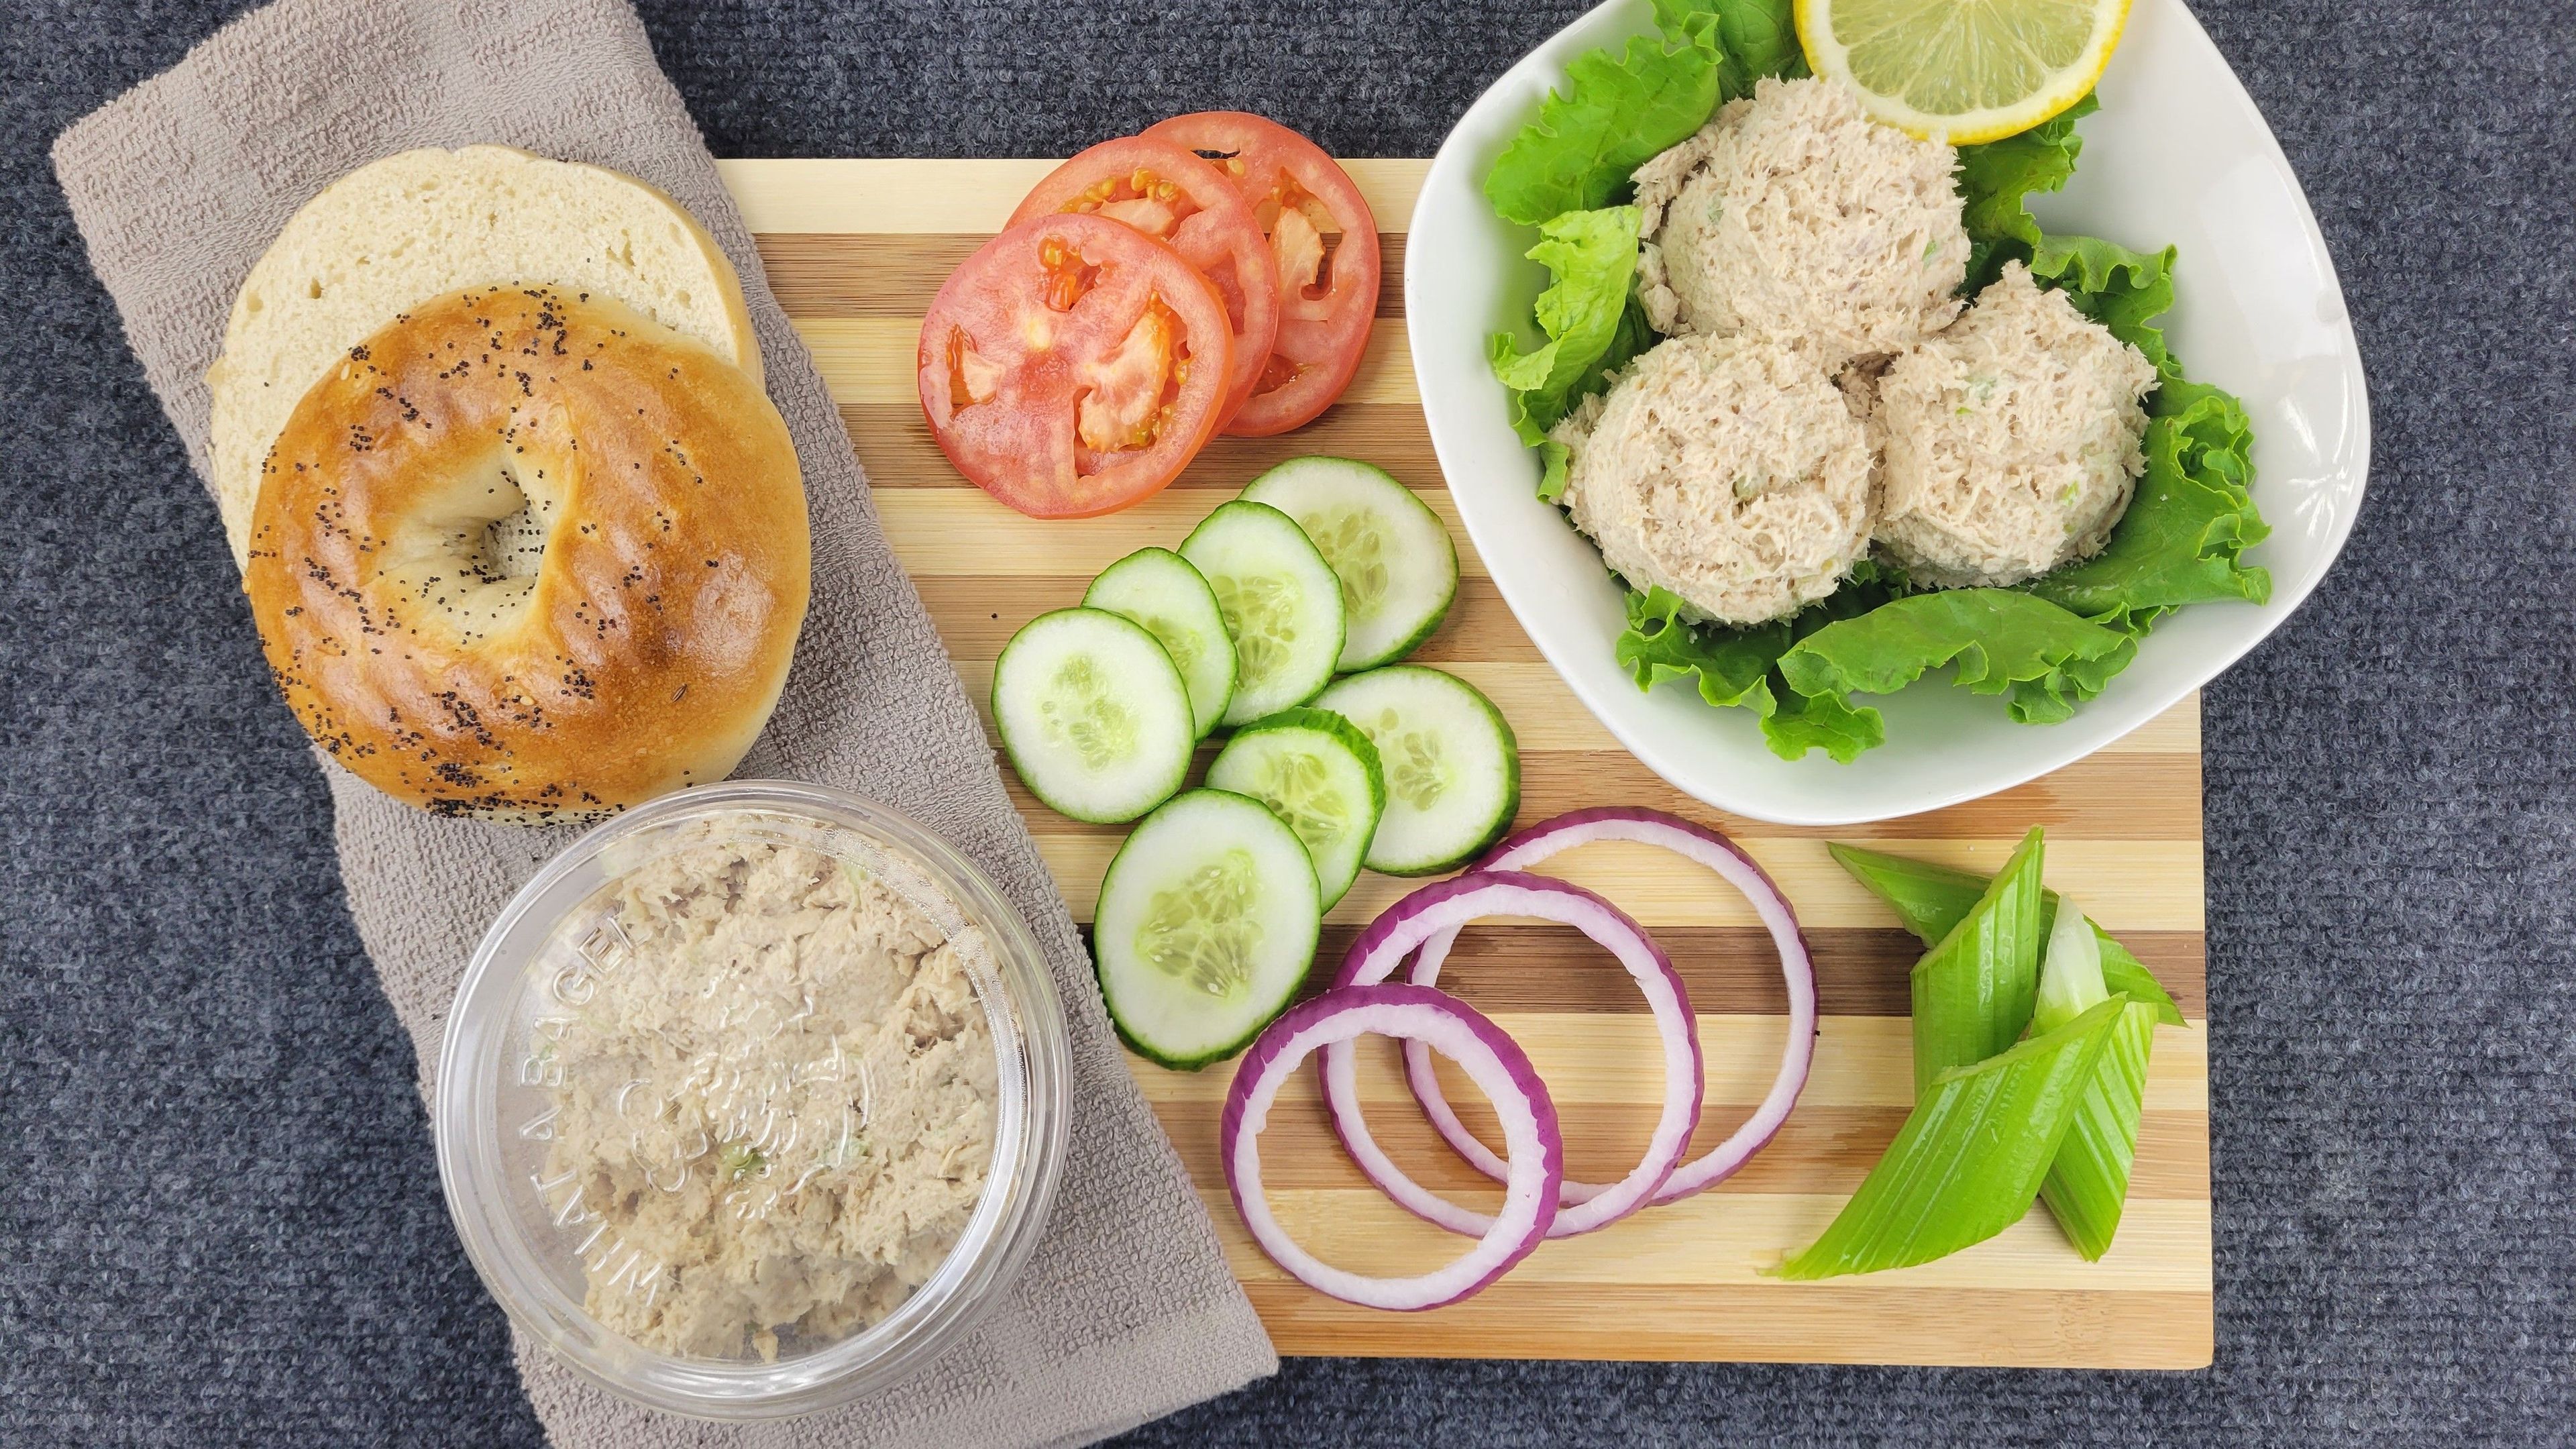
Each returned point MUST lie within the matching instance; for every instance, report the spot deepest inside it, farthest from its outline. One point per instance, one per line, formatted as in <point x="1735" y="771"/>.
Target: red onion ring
<point x="1648" y="827"/>
<point x="1457" y="1031"/>
<point x="1447" y="905"/>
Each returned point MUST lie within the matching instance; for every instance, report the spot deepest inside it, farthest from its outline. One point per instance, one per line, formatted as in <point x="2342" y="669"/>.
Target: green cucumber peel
<point x="1251" y="1000"/>
<point x="1971" y="1157"/>
<point x="1156" y="589"/>
<point x="1325" y="721"/>
<point x="1973" y="991"/>
<point x="1315" y="833"/>
<point x="1930" y="899"/>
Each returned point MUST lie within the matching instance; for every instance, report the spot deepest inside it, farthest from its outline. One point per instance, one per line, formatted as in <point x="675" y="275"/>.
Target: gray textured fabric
<point x="1126" y="1311"/>
<point x="222" y="1222"/>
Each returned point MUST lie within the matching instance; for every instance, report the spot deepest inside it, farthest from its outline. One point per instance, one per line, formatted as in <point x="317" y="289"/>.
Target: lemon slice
<point x="1963" y="71"/>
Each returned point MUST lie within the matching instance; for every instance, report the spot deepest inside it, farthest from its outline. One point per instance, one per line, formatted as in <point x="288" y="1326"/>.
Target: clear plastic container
<point x="535" y="1242"/>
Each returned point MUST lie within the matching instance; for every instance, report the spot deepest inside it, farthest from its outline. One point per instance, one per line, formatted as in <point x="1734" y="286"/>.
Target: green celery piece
<point x="1973" y="991"/>
<point x="2070" y="972"/>
<point x="1614" y="113"/>
<point x="2088" y="1185"/>
<point x="1970" y="1158"/>
<point x="2128" y="976"/>
<point x="1931" y="899"/>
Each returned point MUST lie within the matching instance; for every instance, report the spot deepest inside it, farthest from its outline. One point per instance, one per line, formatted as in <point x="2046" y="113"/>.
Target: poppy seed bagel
<point x="425" y="223"/>
<point x="529" y="555"/>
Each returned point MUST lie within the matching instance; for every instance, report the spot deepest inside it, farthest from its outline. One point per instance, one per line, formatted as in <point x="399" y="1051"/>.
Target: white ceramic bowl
<point x="2176" y="154"/>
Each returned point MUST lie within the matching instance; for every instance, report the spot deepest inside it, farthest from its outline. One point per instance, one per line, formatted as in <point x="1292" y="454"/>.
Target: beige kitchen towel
<point x="1127" y="1311"/>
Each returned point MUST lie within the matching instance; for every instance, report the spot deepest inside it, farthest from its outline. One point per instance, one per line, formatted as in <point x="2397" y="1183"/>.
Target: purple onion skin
<point x="1597" y="814"/>
<point x="1403" y="917"/>
<point x="1510" y="847"/>
<point x="1258" y="1063"/>
<point x="1396" y="917"/>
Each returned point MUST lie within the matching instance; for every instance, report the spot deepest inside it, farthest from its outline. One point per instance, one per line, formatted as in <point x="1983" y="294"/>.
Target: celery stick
<point x="1931" y="899"/>
<point x="2128" y="976"/>
<point x="1970" y="1157"/>
<point x="2089" y="1183"/>
<point x="1973" y="991"/>
<point x="2070" y="983"/>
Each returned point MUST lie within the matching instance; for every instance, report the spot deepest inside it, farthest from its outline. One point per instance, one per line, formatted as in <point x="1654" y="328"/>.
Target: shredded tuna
<point x="2012" y="439"/>
<point x="1728" y="470"/>
<point x="1792" y="215"/>
<point x="775" y="1109"/>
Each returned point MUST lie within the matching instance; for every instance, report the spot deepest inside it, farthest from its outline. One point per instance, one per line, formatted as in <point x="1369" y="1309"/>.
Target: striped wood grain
<point x="855" y="249"/>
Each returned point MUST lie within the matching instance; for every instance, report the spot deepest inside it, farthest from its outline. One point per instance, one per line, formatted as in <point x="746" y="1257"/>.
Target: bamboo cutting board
<point x="855" y="249"/>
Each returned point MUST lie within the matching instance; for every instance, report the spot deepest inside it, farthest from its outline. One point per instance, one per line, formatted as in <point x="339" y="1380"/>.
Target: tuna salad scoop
<point x="1794" y="215"/>
<point x="2012" y="439"/>
<point x="1728" y="470"/>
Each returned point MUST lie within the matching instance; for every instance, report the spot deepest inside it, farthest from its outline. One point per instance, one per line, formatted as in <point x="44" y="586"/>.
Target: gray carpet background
<point x="219" y="1218"/>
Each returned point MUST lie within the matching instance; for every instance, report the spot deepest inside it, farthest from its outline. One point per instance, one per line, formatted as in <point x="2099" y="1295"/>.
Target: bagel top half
<point x="530" y="555"/>
<point x="428" y="222"/>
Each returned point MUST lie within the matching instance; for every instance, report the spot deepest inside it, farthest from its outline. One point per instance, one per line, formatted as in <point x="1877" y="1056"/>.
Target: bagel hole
<point x="471" y="550"/>
<point x="513" y="546"/>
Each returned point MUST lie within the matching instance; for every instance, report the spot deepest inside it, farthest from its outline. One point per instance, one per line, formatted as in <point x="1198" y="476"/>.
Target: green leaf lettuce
<point x="2184" y="538"/>
<point x="1995" y="180"/>
<point x="1755" y="38"/>
<point x="1590" y="318"/>
<point x="1614" y="113"/>
<point x="2048" y="645"/>
<point x="2001" y="641"/>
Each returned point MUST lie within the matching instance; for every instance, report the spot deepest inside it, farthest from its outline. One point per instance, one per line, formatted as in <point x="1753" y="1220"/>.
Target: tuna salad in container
<point x="752" y="1100"/>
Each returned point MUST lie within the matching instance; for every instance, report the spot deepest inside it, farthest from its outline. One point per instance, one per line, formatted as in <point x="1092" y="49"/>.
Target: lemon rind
<point x="1827" y="57"/>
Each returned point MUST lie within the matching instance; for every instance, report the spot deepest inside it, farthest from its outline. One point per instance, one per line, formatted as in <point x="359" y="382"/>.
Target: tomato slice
<point x="1323" y="242"/>
<point x="1073" y="365"/>
<point x="1173" y="196"/>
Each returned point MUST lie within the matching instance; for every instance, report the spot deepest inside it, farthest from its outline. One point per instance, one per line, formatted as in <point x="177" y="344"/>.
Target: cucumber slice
<point x="1453" y="771"/>
<point x="1399" y="571"/>
<point x="1157" y="588"/>
<point x="1316" y="771"/>
<point x="1206" y="926"/>
<point x="1282" y="605"/>
<point x="1093" y="715"/>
